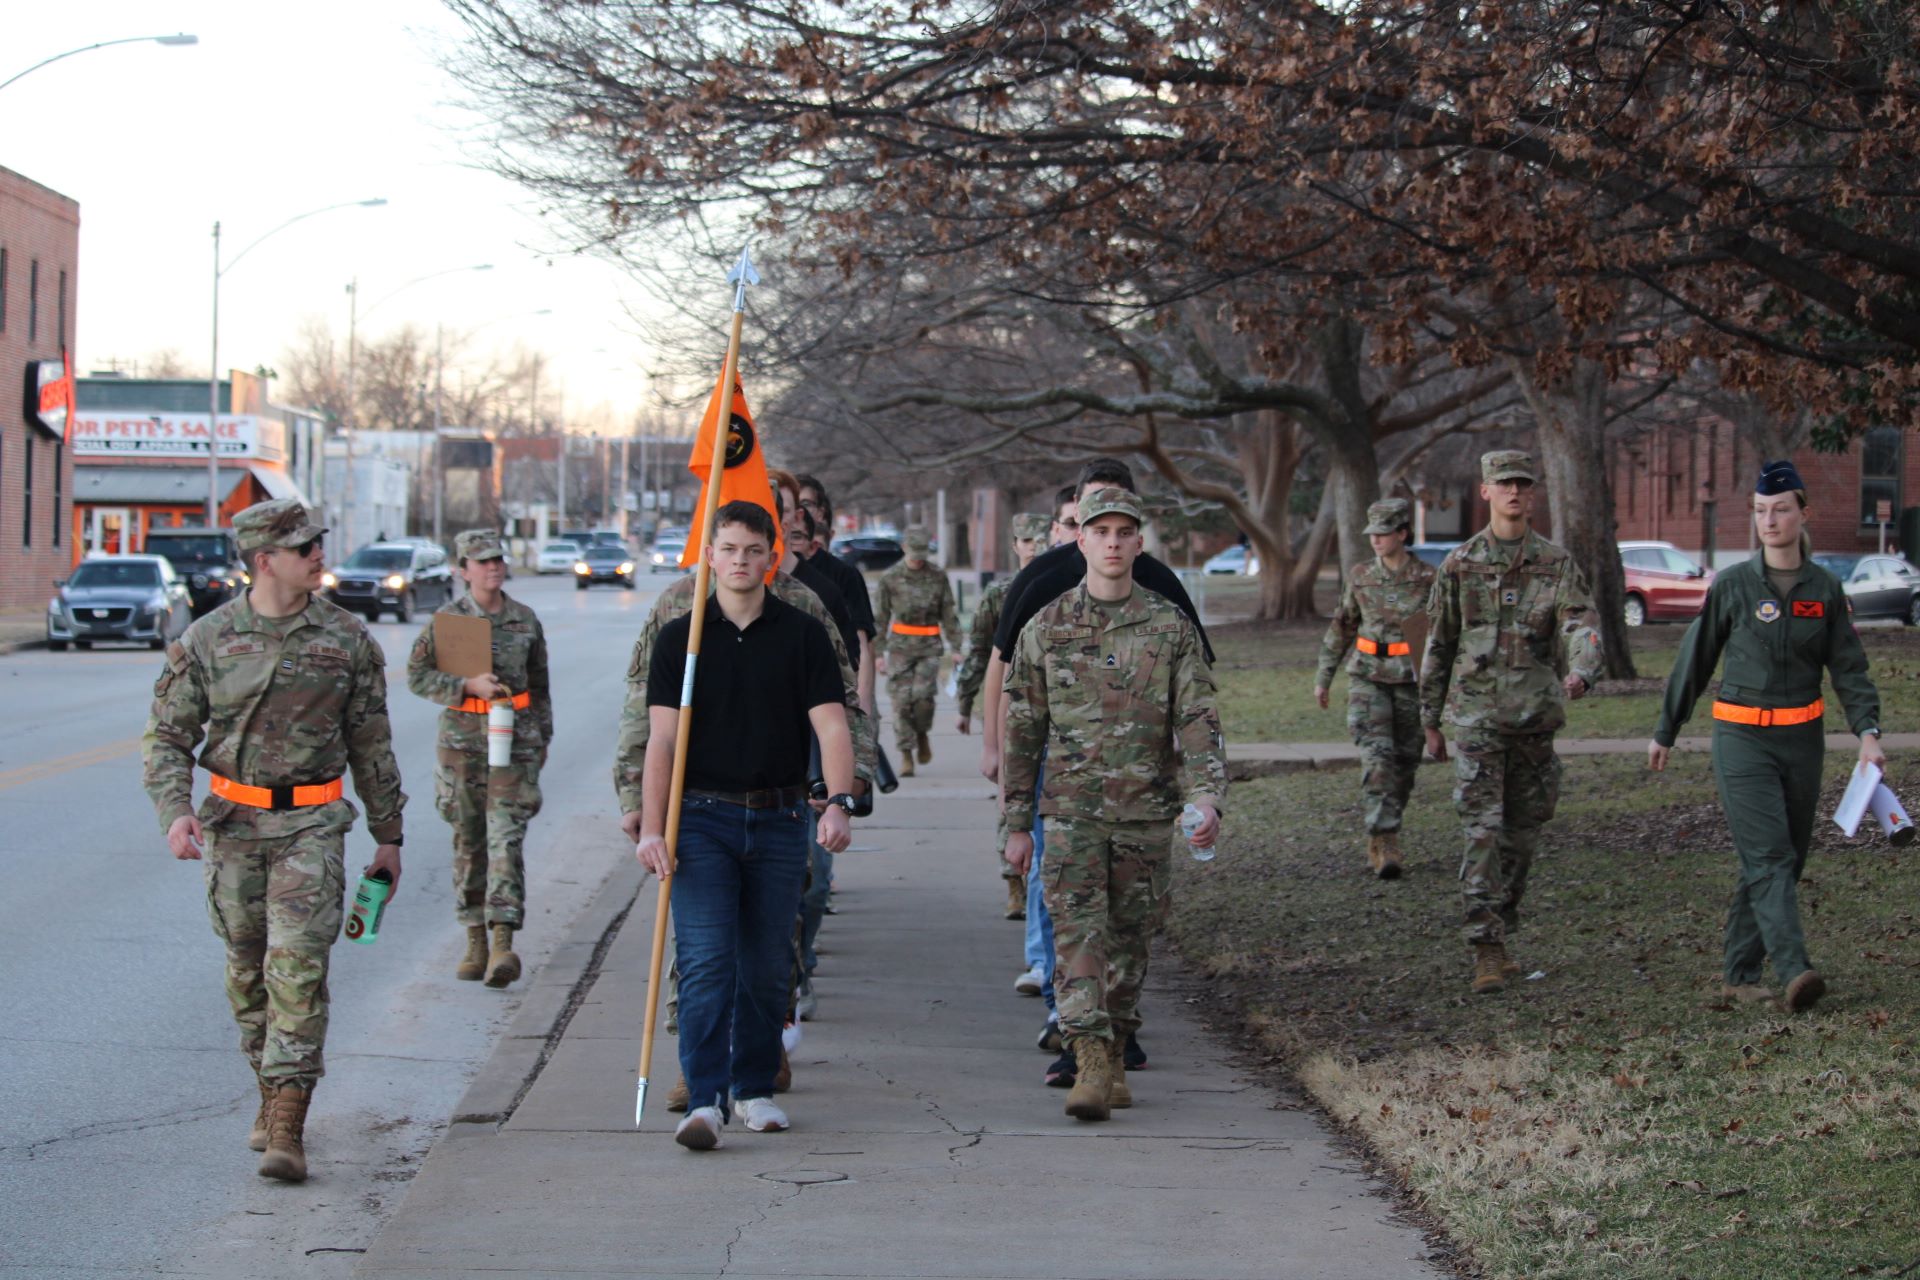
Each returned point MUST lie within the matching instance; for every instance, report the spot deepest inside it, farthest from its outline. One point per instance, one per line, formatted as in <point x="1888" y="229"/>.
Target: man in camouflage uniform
<point x="913" y="605"/>
<point x="1383" y="704"/>
<point x="1029" y="536"/>
<point x="1512" y="641"/>
<point x="1111" y="682"/>
<point x="290" y="693"/>
<point x="488" y="808"/>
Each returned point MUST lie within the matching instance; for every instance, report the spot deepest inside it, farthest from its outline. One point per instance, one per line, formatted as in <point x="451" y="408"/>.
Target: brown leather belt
<point x="771" y="798"/>
<point x="480" y="706"/>
<point x="1395" y="649"/>
<point x="1734" y="713"/>
<point x="277" y="799"/>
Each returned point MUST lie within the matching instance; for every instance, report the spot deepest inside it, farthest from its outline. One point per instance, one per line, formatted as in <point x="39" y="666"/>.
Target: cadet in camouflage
<point x="913" y="605"/>
<point x="1511" y="642"/>
<point x="1111" y="683"/>
<point x="488" y="808"/>
<point x="1383" y="696"/>
<point x="282" y="693"/>
<point x="1029" y="538"/>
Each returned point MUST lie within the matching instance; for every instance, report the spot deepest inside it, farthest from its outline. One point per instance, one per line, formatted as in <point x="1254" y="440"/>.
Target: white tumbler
<point x="500" y="734"/>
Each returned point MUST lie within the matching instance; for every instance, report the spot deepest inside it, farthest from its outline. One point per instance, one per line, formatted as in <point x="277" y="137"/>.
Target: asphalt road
<point x="124" y="1101"/>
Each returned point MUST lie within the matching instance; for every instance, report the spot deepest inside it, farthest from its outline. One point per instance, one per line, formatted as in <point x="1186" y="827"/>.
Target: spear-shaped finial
<point x="741" y="276"/>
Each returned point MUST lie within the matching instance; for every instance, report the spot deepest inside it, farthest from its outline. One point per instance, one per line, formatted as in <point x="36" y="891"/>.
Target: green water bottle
<point x="369" y="904"/>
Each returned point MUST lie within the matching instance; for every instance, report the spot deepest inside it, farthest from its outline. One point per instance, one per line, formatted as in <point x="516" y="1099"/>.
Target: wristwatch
<point x="844" y="802"/>
<point x="1872" y="731"/>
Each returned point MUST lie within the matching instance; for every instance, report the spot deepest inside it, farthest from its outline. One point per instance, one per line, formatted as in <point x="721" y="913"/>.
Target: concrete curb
<point x="529" y="1040"/>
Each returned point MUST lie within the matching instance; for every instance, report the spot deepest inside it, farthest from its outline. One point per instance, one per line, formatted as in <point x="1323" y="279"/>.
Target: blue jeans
<point x="1039" y="938"/>
<point x="736" y="889"/>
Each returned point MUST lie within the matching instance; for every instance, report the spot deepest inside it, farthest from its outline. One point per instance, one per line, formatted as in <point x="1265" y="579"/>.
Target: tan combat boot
<point x="474" y="963"/>
<point x="1373" y="853"/>
<point x="906" y="765"/>
<point x="257" y="1140"/>
<point x="1016" y="898"/>
<point x="1119" y="1096"/>
<point x="286" y="1154"/>
<point x="1746" y="993"/>
<point x="926" y="749"/>
<point x="677" y="1096"/>
<point x="1090" y="1097"/>
<point x="1388" y="867"/>
<point x="1803" y="992"/>
<point x="503" y="966"/>
<point x="1489" y="968"/>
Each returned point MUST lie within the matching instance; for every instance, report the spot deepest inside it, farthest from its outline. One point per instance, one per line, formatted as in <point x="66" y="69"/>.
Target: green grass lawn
<point x="1611" y="1115"/>
<point x="1265" y="672"/>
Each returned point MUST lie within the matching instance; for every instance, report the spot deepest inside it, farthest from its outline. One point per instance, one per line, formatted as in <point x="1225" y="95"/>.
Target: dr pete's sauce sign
<point x="175" y="435"/>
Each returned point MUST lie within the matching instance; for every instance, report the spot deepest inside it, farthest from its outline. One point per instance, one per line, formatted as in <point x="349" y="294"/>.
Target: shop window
<point x="1880" y="450"/>
<point x="3" y="290"/>
<point x="26" y="491"/>
<point x="61" y="333"/>
<point x="59" y="456"/>
<point x="33" y="300"/>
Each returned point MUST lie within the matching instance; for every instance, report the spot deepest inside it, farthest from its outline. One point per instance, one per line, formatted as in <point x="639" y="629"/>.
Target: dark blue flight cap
<point x="1778" y="477"/>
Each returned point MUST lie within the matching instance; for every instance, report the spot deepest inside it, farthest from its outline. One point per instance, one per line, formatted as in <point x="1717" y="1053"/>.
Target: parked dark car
<point x="1877" y="586"/>
<point x="396" y="577"/>
<point x="869" y="551"/>
<point x="207" y="560"/>
<point x="138" y="598"/>
<point x="603" y="564"/>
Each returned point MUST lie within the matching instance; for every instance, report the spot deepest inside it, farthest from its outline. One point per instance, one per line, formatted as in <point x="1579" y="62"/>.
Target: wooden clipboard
<point x="462" y="645"/>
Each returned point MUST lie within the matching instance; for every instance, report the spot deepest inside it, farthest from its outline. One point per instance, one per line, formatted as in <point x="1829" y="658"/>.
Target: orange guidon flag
<point x="744" y="477"/>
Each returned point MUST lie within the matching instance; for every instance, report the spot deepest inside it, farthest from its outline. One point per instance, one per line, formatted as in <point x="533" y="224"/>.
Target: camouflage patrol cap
<point x="478" y="544"/>
<point x="283" y="522"/>
<point x="918" y="541"/>
<point x="1032" y="526"/>
<point x="1506" y="464"/>
<point x="1388" y="515"/>
<point x="1111" y="501"/>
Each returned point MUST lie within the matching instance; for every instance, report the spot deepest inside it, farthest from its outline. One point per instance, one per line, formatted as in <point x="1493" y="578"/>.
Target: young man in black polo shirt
<point x="852" y="583"/>
<point x="765" y="676"/>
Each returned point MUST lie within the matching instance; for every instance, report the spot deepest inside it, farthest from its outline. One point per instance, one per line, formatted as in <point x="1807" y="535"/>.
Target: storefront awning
<point x="153" y="486"/>
<point x="278" y="485"/>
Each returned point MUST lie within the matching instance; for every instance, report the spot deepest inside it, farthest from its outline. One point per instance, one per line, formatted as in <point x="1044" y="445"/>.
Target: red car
<point x="1662" y="584"/>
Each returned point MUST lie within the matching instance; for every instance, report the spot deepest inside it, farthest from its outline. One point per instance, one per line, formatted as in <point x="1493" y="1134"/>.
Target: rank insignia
<point x="1112" y="660"/>
<point x="1510" y="596"/>
<point x="1809" y="609"/>
<point x="1768" y="610"/>
<point x="286" y="665"/>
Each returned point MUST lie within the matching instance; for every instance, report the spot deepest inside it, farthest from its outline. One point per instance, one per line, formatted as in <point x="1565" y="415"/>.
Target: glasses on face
<point x="1513" y="486"/>
<point x="1068" y="523"/>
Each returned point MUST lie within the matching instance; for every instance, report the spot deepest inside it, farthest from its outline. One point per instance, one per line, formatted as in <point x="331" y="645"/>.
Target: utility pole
<point x="439" y="465"/>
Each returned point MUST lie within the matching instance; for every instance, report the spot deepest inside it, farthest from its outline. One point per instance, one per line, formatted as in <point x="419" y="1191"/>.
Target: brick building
<point x="1692" y="487"/>
<point x="39" y="259"/>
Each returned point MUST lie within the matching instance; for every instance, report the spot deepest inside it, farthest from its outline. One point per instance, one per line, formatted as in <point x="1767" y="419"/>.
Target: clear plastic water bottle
<point x="1191" y="820"/>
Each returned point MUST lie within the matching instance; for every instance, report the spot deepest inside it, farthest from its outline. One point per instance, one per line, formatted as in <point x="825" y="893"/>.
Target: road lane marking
<point x="66" y="764"/>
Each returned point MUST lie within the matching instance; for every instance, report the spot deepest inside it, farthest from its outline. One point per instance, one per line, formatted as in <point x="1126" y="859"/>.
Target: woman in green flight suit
<point x="1781" y="620"/>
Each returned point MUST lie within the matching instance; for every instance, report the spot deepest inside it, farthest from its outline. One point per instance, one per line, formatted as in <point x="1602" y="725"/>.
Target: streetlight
<point x="180" y="38"/>
<point x="213" y="365"/>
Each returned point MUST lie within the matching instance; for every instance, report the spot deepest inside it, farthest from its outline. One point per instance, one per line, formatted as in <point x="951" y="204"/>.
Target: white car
<point x="1240" y="560"/>
<point x="557" y="557"/>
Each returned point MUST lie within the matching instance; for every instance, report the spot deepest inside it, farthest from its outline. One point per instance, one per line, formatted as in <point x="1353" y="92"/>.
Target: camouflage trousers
<point x="913" y="677"/>
<point x="278" y="904"/>
<point x="1385" y="722"/>
<point x="489" y="810"/>
<point x="1506" y="786"/>
<point x="1106" y="886"/>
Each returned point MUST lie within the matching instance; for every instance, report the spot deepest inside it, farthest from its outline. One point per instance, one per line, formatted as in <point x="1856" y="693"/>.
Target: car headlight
<point x="157" y="602"/>
<point x="395" y="582"/>
<point x="626" y="566"/>
<point x="580" y="566"/>
<point x="329" y="580"/>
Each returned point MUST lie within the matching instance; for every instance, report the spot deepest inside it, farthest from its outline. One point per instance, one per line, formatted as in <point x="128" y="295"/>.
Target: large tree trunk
<point x="1269" y="458"/>
<point x="1353" y="465"/>
<point x="1572" y="421"/>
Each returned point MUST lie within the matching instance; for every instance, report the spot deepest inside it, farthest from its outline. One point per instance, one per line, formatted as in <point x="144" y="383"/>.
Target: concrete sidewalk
<point x="924" y="1142"/>
<point x="1264" y="759"/>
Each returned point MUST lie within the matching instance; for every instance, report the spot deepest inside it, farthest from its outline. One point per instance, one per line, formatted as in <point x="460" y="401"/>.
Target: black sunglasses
<point x="305" y="549"/>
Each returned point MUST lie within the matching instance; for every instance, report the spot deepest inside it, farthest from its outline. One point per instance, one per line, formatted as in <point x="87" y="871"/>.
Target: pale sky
<point x="282" y="108"/>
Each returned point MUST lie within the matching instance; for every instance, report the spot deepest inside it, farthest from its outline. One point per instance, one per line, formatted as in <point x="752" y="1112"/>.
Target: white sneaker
<point x="790" y="1036"/>
<point x="1030" y="982"/>
<point x="762" y="1116"/>
<point x="700" y="1131"/>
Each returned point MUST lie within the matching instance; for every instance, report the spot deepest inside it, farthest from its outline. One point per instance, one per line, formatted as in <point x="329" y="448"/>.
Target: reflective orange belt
<point x="1736" y="714"/>
<point x="277" y="798"/>
<point x="478" y="706"/>
<point x="908" y="629"/>
<point x="1398" y="649"/>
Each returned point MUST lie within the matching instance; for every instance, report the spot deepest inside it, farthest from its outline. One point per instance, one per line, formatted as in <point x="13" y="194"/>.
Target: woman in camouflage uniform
<point x="488" y="808"/>
<point x="1383" y="691"/>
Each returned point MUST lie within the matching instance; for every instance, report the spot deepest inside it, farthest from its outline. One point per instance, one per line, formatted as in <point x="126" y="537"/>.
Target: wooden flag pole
<point x="740" y="277"/>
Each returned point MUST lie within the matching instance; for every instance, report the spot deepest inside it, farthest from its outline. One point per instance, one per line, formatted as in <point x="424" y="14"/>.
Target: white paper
<point x="1886" y="806"/>
<point x="1853" y="805"/>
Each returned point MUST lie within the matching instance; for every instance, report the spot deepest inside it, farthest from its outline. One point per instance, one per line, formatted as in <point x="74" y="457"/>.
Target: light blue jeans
<point x="1039" y="939"/>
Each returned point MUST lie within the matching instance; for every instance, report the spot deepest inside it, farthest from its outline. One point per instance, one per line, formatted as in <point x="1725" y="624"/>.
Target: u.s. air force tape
<point x="686" y="681"/>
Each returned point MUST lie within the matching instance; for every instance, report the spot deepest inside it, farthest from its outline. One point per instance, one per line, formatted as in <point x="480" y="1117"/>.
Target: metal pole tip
<point x="639" y="1101"/>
